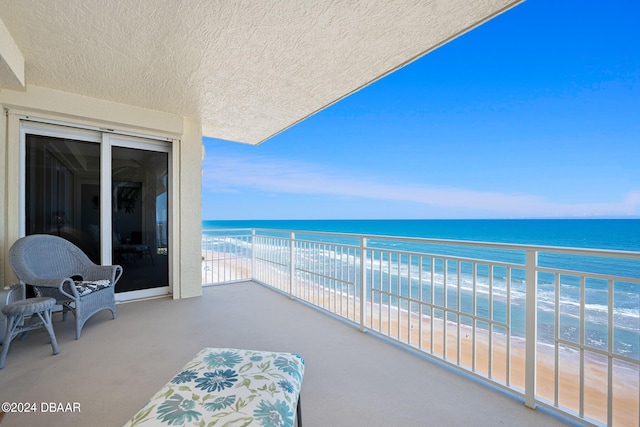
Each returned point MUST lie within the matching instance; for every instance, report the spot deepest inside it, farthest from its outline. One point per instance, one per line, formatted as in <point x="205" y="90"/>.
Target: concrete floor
<point x="351" y="378"/>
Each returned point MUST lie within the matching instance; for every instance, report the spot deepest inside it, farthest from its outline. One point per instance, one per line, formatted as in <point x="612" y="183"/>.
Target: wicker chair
<point x="57" y="268"/>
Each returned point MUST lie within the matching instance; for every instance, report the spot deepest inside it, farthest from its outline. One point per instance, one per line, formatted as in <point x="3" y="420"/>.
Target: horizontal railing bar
<point x="469" y="243"/>
<point x="272" y="262"/>
<point x="210" y="230"/>
<point x="588" y="275"/>
<point x="449" y="257"/>
<point x="226" y="282"/>
<point x="316" y="242"/>
<point x="586" y="347"/>
<point x="439" y="307"/>
<point x="227" y="255"/>
<point x="225" y="236"/>
<point x="324" y="276"/>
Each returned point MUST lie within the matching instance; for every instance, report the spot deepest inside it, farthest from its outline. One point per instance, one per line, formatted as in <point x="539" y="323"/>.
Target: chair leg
<point x="12" y="324"/>
<point x="46" y="319"/>
<point x="32" y="320"/>
<point x="78" y="329"/>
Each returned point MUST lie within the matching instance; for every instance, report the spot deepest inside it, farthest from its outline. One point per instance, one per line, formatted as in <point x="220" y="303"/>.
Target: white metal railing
<point x="559" y="327"/>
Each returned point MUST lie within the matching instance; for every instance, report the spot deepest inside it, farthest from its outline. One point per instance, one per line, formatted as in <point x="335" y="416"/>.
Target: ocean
<point x="616" y="234"/>
<point x="609" y="234"/>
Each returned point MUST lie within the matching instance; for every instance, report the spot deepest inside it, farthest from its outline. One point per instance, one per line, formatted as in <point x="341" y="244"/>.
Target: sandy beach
<point x="504" y="364"/>
<point x="217" y="267"/>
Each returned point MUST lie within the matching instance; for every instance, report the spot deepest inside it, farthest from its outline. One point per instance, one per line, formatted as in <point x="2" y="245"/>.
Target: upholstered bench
<point x="229" y="387"/>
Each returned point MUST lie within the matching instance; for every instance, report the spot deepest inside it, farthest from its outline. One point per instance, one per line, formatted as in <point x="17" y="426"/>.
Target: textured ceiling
<point x="245" y="69"/>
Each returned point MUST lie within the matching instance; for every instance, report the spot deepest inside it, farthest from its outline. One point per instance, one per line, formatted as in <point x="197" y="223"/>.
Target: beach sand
<point x="504" y="365"/>
<point x="218" y="268"/>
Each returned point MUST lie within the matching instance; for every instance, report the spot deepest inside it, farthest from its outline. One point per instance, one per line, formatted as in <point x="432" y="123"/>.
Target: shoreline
<point x="503" y="365"/>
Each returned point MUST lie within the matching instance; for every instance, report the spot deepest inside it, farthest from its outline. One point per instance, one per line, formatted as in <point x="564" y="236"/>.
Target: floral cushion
<point x="85" y="287"/>
<point x="228" y="387"/>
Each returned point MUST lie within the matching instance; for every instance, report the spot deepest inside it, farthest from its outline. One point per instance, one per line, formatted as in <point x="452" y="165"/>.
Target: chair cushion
<point x="85" y="287"/>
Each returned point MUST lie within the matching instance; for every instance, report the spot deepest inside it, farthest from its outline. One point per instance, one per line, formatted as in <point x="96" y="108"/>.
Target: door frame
<point x="106" y="138"/>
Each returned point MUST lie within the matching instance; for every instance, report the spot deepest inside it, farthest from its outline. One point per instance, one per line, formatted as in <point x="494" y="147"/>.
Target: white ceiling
<point x="246" y="70"/>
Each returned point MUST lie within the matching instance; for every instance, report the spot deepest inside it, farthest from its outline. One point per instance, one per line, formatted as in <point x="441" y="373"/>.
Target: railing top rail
<point x="226" y="229"/>
<point x="468" y="243"/>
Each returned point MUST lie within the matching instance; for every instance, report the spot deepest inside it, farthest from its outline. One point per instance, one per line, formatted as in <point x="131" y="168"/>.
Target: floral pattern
<point x="228" y="387"/>
<point x="177" y="411"/>
<point x="288" y="365"/>
<point x="217" y="380"/>
<point x="185" y="377"/>
<point x="227" y="359"/>
<point x="220" y="403"/>
<point x="277" y="414"/>
<point x="286" y="386"/>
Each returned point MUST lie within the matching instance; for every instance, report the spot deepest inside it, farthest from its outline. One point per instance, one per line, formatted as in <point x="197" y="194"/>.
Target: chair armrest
<point x="101" y="272"/>
<point x="59" y="284"/>
<point x="47" y="283"/>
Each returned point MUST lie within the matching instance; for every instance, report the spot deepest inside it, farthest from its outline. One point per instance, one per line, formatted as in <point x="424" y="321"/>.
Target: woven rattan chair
<point x="57" y="268"/>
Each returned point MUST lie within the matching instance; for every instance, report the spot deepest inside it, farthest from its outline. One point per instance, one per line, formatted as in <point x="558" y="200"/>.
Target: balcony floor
<point x="351" y="378"/>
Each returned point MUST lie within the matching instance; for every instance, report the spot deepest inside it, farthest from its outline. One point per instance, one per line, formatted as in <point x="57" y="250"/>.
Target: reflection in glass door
<point x="62" y="191"/>
<point x="107" y="194"/>
<point x="139" y="217"/>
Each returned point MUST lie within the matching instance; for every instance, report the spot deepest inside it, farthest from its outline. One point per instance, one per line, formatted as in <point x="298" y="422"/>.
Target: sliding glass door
<point x="106" y="193"/>
<point x="62" y="190"/>
<point x="139" y="216"/>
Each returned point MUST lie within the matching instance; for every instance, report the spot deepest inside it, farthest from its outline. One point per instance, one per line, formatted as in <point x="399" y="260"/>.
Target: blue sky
<point x="535" y="114"/>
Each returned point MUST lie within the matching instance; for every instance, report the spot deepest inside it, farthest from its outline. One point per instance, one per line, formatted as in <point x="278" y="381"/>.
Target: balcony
<point x="554" y="327"/>
<point x="351" y="378"/>
<point x="363" y="368"/>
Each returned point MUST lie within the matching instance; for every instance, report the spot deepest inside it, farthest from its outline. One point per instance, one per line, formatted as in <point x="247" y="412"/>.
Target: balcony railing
<point x="559" y="327"/>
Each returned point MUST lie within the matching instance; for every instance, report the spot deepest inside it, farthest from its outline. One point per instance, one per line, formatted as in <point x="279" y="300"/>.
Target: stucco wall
<point x="74" y="109"/>
<point x="3" y="196"/>
<point x="189" y="211"/>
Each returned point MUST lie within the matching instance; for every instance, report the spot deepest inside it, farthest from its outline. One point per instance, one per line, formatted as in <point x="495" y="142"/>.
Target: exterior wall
<point x="66" y="107"/>
<point x="189" y="211"/>
<point x="11" y="60"/>
<point x="3" y="197"/>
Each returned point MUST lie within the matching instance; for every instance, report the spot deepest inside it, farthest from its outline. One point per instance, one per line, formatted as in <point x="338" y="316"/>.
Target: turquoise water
<point x="617" y="234"/>
<point x="623" y="235"/>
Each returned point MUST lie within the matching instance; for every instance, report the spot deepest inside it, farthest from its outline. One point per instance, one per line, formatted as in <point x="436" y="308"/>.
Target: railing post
<point x="531" y="325"/>
<point x="292" y="267"/>
<point x="363" y="282"/>
<point x="253" y="254"/>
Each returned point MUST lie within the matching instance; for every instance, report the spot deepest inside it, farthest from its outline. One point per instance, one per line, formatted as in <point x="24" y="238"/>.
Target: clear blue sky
<point x="535" y="114"/>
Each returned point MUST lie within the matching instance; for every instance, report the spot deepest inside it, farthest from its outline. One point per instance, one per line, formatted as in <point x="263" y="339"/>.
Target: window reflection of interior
<point x="139" y="216"/>
<point x="63" y="197"/>
<point x="63" y="191"/>
<point x="139" y="197"/>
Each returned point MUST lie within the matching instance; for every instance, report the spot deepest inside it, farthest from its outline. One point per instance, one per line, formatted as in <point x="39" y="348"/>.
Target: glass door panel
<point x="62" y="193"/>
<point x="107" y="194"/>
<point x="139" y="217"/>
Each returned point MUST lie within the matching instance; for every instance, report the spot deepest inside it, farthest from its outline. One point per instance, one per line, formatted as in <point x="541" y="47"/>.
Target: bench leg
<point x="299" y="411"/>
